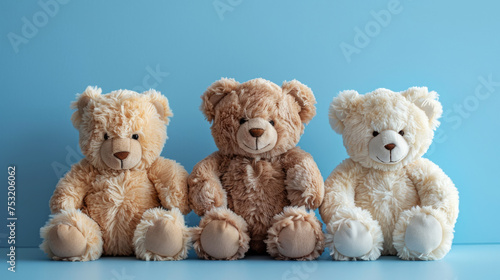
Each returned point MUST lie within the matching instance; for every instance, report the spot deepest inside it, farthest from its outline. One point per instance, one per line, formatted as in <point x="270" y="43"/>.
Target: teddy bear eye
<point x="272" y="123"/>
<point x="135" y="136"/>
<point x="375" y="133"/>
<point x="402" y="133"/>
<point x="106" y="136"/>
<point x="243" y="120"/>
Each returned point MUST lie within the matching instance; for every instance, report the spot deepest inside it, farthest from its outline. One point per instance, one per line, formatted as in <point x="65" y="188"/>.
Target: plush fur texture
<point x="122" y="175"/>
<point x="258" y="170"/>
<point x="228" y="216"/>
<point x="312" y="234"/>
<point x="386" y="182"/>
<point x="149" y="218"/>
<point x="89" y="229"/>
<point x="362" y="216"/>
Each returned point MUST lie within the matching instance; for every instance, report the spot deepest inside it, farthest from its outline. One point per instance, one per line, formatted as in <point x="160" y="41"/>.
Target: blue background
<point x="444" y="45"/>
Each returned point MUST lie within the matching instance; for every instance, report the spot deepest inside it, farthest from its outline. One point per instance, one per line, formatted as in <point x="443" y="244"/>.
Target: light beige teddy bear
<point x="386" y="199"/>
<point x="122" y="198"/>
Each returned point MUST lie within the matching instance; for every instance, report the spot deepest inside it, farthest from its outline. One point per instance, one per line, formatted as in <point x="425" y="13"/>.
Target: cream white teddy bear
<point x="386" y="199"/>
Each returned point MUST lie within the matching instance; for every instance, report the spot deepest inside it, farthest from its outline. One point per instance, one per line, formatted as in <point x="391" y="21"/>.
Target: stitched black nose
<point x="256" y="132"/>
<point x="121" y="155"/>
<point x="390" y="146"/>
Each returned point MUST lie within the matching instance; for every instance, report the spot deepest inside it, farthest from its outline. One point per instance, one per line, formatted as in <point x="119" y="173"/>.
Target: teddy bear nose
<point x="390" y="146"/>
<point x="256" y="132"/>
<point x="121" y="155"/>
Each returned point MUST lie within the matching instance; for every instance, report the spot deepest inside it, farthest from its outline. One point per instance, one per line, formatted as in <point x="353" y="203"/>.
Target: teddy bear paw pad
<point x="353" y="239"/>
<point x="66" y="241"/>
<point x="423" y="234"/>
<point x="220" y="239"/>
<point x="164" y="238"/>
<point x="297" y="240"/>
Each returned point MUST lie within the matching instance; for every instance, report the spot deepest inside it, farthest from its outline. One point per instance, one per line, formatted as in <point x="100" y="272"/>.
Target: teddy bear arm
<point x="425" y="232"/>
<point x="205" y="187"/>
<point x="304" y="183"/>
<point x="170" y="181"/>
<point x="340" y="189"/>
<point x="72" y="188"/>
<point x="352" y="233"/>
<point x="435" y="189"/>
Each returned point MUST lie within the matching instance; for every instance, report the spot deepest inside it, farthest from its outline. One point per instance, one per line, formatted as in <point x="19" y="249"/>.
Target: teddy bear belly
<point x="385" y="196"/>
<point x="256" y="192"/>
<point x="117" y="204"/>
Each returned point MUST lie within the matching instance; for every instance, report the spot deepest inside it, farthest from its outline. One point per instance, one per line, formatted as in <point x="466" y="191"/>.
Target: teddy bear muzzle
<point x="121" y="153"/>
<point x="388" y="147"/>
<point x="256" y="136"/>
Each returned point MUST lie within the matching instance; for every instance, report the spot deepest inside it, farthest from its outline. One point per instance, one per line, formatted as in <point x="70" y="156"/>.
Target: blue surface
<point x="463" y="262"/>
<point x="445" y="45"/>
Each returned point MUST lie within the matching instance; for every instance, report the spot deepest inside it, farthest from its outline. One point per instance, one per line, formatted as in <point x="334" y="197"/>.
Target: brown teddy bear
<point x="254" y="192"/>
<point x="110" y="202"/>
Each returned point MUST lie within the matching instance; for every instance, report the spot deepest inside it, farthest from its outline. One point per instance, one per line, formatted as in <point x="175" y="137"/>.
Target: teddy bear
<point x="386" y="199"/>
<point x="122" y="198"/>
<point x="257" y="191"/>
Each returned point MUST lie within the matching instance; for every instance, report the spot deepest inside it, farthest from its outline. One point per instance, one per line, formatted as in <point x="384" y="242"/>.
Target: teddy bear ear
<point x="214" y="94"/>
<point x="341" y="107"/>
<point x="160" y="103"/>
<point x="82" y="100"/>
<point x="427" y="102"/>
<point x="304" y="96"/>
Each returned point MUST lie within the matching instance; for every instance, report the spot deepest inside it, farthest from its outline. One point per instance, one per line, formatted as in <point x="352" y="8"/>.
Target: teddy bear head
<point x="383" y="129"/>
<point x="121" y="130"/>
<point x="257" y="119"/>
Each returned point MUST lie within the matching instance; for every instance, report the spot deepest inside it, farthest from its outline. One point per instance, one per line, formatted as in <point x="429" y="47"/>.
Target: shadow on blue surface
<point x="463" y="262"/>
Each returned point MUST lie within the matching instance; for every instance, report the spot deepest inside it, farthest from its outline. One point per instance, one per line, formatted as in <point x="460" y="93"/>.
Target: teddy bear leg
<point x="352" y="234"/>
<point x="222" y="235"/>
<point x="73" y="236"/>
<point x="422" y="233"/>
<point x="161" y="235"/>
<point x="295" y="235"/>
